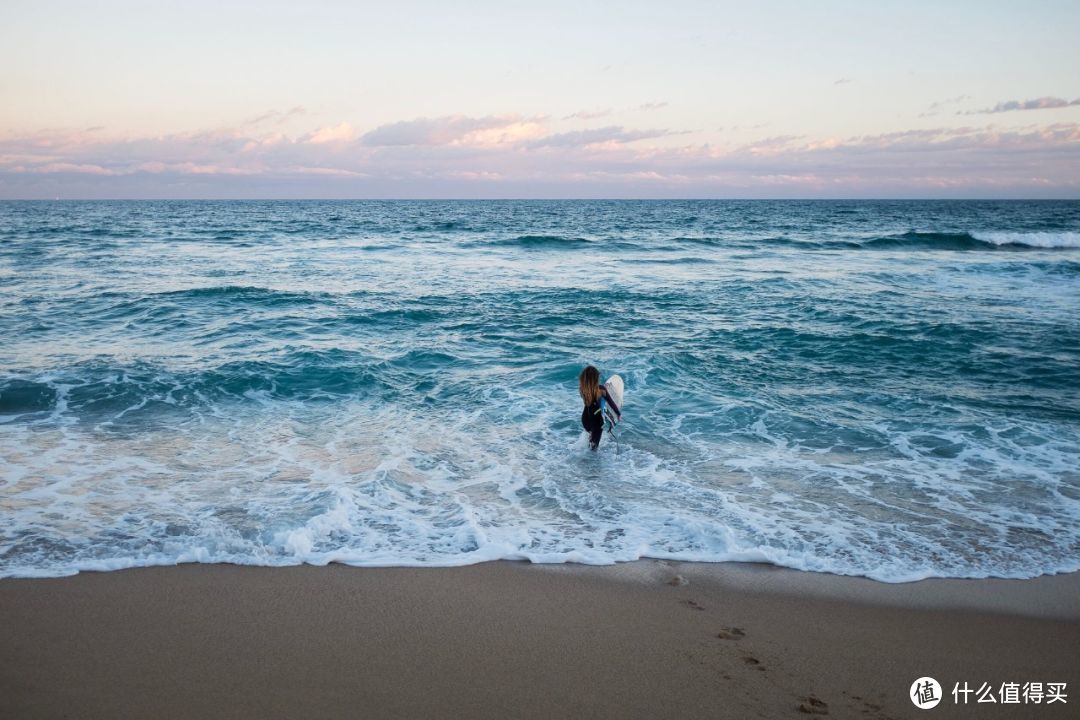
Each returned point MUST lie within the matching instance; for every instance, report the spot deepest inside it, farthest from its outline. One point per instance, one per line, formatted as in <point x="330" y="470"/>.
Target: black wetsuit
<point x="592" y="419"/>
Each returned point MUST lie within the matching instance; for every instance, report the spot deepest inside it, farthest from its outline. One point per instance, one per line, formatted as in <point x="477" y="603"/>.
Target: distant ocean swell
<point x="974" y="240"/>
<point x="394" y="384"/>
<point x="981" y="240"/>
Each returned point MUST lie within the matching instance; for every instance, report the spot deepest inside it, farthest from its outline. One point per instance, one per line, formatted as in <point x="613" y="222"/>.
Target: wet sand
<point x="649" y="639"/>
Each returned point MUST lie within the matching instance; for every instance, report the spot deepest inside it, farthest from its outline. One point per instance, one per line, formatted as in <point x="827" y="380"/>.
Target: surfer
<point x="593" y="394"/>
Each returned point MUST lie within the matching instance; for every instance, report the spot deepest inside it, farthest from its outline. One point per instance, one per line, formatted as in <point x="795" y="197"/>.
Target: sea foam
<point x="1030" y="239"/>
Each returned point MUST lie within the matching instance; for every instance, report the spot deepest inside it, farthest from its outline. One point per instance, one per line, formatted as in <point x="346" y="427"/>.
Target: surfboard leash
<point x="611" y="432"/>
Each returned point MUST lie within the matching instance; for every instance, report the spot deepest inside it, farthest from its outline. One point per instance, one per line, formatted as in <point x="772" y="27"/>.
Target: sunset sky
<point x="540" y="99"/>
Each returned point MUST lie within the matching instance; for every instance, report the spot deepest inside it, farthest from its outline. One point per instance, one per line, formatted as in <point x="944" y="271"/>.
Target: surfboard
<point x="614" y="385"/>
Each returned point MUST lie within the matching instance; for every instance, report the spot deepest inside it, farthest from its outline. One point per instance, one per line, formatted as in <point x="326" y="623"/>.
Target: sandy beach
<point x="508" y="639"/>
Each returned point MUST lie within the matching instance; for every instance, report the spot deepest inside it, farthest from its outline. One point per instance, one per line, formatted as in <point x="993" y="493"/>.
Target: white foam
<point x="1031" y="239"/>
<point x="284" y="483"/>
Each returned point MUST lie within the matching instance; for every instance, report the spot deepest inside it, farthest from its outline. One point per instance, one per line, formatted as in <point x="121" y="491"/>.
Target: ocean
<point x="884" y="389"/>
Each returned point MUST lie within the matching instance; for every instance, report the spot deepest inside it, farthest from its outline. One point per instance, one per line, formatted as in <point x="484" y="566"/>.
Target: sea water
<point x="886" y="389"/>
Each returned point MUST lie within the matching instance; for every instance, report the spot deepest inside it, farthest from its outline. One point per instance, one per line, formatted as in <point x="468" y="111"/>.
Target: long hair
<point x="589" y="385"/>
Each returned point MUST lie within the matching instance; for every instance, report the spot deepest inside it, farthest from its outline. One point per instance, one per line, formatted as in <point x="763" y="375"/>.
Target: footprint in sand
<point x="753" y="662"/>
<point x="691" y="604"/>
<point x="730" y="633"/>
<point x="813" y="706"/>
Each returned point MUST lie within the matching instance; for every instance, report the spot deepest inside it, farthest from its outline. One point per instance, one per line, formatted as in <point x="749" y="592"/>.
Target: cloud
<point x="588" y="114"/>
<point x="1043" y="103"/>
<point x="842" y="81"/>
<point x="518" y="156"/>
<point x="326" y="172"/>
<point x="613" y="134"/>
<point x="968" y="146"/>
<point x="652" y="106"/>
<point x="454" y="130"/>
<point x="339" y="133"/>
<point x="771" y="145"/>
<point x="737" y="128"/>
<point x="936" y="107"/>
<point x="88" y="169"/>
<point x="277" y="116"/>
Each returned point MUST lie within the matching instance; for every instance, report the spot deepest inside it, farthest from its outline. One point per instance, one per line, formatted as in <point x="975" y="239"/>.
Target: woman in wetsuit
<point x="592" y="392"/>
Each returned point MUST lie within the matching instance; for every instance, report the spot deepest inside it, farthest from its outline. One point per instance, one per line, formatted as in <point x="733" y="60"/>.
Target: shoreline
<point x="1051" y="596"/>
<point x="1055" y="596"/>
<point x="650" y="638"/>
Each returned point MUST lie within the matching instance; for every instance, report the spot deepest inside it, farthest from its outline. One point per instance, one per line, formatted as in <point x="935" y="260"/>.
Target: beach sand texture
<point x="506" y="639"/>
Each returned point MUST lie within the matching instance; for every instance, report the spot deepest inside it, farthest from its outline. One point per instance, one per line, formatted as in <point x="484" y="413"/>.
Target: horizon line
<point x="544" y="199"/>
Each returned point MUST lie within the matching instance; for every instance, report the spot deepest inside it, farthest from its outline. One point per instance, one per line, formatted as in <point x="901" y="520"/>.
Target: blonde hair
<point x="589" y="385"/>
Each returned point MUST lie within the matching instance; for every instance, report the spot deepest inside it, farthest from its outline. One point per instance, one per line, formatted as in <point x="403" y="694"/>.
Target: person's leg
<point x="595" y="433"/>
<point x="593" y="422"/>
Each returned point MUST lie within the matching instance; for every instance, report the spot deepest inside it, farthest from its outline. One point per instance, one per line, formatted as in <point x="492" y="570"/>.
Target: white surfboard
<point x="614" y="385"/>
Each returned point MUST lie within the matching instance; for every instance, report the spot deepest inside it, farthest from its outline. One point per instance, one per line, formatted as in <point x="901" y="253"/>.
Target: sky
<point x="552" y="99"/>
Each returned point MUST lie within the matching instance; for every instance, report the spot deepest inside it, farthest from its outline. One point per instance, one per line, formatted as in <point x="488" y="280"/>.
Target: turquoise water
<point x="887" y="389"/>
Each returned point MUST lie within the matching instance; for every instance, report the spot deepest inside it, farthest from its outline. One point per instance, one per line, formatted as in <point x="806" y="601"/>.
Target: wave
<point x="976" y="240"/>
<point x="99" y="392"/>
<point x="1031" y="239"/>
<point x="307" y="544"/>
<point x="539" y="242"/>
<point x="925" y="240"/>
<point x="690" y="240"/>
<point x="689" y="260"/>
<point x="18" y="397"/>
<point x="244" y="292"/>
<point x="177" y="306"/>
<point x="227" y="292"/>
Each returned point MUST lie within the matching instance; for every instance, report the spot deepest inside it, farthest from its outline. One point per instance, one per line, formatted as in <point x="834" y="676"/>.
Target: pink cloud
<point x="64" y="167"/>
<point x="339" y="133"/>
